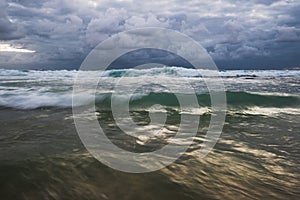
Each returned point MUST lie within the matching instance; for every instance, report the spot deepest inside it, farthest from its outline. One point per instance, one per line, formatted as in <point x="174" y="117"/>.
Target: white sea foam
<point x="166" y="71"/>
<point x="271" y="111"/>
<point x="32" y="100"/>
<point x="178" y="71"/>
<point x="28" y="89"/>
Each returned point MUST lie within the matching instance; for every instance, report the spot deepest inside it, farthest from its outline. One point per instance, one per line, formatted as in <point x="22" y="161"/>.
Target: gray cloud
<point x="62" y="32"/>
<point x="8" y="30"/>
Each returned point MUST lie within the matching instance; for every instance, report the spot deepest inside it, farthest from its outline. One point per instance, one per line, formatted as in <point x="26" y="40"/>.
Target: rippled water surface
<point x="256" y="157"/>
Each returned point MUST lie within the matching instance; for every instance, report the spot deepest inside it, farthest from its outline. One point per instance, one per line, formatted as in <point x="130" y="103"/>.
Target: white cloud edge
<point x="10" y="48"/>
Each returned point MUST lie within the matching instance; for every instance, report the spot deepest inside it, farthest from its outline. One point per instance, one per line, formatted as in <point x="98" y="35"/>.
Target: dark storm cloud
<point x="8" y="30"/>
<point x="235" y="33"/>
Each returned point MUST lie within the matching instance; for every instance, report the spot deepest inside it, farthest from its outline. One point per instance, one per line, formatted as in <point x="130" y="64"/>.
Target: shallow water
<point x="256" y="157"/>
<point x="42" y="157"/>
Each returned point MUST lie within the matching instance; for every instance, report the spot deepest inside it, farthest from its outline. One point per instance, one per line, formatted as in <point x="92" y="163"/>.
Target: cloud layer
<point x="254" y="33"/>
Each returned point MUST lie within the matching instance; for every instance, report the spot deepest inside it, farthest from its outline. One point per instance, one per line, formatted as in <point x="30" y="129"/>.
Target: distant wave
<point x="162" y="71"/>
<point x="183" y="72"/>
<point x="32" y="89"/>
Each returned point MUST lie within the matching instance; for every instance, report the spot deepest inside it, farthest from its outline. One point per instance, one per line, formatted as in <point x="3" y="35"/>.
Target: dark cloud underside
<point x="237" y="34"/>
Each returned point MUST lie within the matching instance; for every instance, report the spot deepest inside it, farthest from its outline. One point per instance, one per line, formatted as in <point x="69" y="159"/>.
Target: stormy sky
<point x="58" y="34"/>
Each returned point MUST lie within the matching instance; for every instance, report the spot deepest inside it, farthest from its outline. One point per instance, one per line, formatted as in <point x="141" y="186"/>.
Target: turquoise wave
<point x="234" y="99"/>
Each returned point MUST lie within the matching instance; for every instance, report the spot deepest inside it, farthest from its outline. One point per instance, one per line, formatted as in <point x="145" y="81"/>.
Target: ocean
<point x="256" y="157"/>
